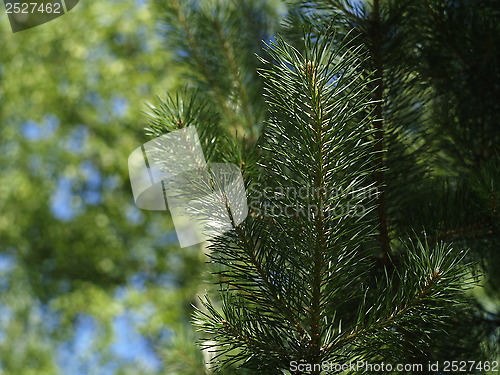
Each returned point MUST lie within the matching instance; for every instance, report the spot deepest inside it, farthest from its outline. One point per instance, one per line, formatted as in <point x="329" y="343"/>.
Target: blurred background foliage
<point x="89" y="284"/>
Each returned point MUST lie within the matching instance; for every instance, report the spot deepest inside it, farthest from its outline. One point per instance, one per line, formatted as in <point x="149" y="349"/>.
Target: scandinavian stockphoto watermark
<point x="207" y="200"/>
<point x="25" y="14"/>
<point x="362" y="366"/>
<point x="307" y="201"/>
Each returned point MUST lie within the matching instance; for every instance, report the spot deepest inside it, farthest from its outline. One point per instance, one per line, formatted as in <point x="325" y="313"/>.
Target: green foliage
<point x="291" y="284"/>
<point x="71" y="238"/>
<point x="370" y="121"/>
<point x="272" y="268"/>
<point x="216" y="42"/>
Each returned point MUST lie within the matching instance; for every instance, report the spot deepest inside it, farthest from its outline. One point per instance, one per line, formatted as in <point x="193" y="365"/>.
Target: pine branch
<point x="325" y="83"/>
<point x="319" y="121"/>
<point x="376" y="54"/>
<point x="199" y="56"/>
<point x="185" y="109"/>
<point x="212" y="39"/>
<point x="432" y="277"/>
<point x="291" y="283"/>
<point x="463" y="231"/>
<point x="236" y="75"/>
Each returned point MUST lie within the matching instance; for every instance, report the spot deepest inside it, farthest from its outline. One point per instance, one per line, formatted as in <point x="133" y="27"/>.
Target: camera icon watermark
<point x="205" y="200"/>
<point x="25" y="14"/>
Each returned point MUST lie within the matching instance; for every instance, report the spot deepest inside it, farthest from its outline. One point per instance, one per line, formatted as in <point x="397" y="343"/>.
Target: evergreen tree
<point x="355" y="243"/>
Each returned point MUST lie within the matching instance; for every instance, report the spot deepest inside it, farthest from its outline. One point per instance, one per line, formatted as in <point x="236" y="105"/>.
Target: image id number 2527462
<point x="26" y="8"/>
